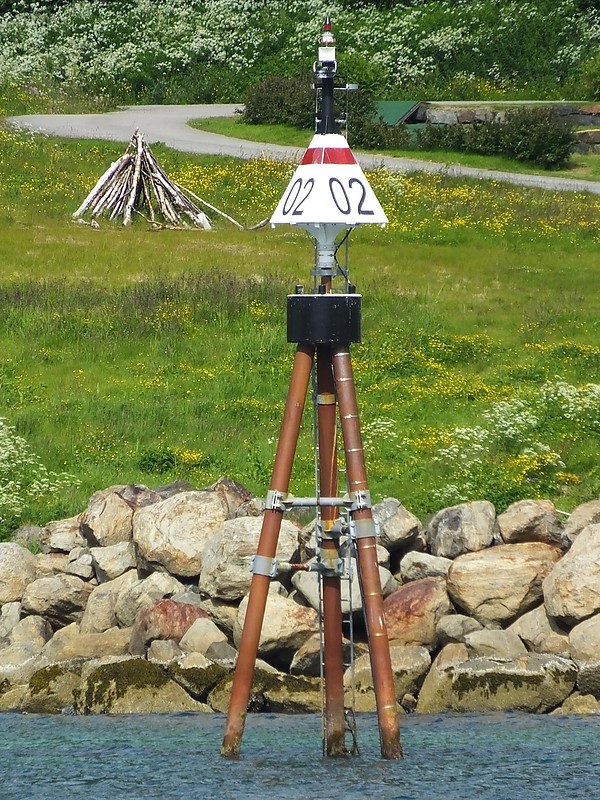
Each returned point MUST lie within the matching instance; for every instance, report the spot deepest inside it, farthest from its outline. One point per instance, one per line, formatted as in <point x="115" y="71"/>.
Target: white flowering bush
<point x="508" y="458"/>
<point x="23" y="477"/>
<point x="189" y="50"/>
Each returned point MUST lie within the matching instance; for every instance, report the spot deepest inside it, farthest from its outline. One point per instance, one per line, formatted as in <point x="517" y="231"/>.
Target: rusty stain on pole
<point x="267" y="547"/>
<point x="333" y="667"/>
<point x="381" y="665"/>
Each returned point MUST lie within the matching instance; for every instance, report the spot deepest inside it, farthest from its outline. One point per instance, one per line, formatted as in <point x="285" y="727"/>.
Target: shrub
<point x="537" y="135"/>
<point x="534" y="135"/>
<point x="280" y="101"/>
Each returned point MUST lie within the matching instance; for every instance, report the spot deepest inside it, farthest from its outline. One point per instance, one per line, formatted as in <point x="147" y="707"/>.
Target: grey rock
<point x="99" y="614"/>
<point x="584" y="641"/>
<point x="397" y="525"/>
<point x="452" y="628"/>
<point x="60" y="599"/>
<point x="468" y="527"/>
<point x="409" y="666"/>
<point x="540" y="633"/>
<point x="494" y="644"/>
<point x="499" y="584"/>
<point x="171" y="535"/>
<point x="61" y="536"/>
<point x="17" y="570"/>
<point x="572" y="589"/>
<point x="114" y="560"/>
<point x="530" y="521"/>
<point x="415" y="566"/>
<point x="228" y="552"/>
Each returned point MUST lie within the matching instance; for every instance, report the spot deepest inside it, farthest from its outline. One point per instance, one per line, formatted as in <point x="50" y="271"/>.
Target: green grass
<point x="583" y="167"/>
<point x="129" y="355"/>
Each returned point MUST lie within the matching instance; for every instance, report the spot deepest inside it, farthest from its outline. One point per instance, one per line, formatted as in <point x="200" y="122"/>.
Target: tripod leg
<point x="381" y="665"/>
<point x="267" y="547"/>
<point x="332" y="596"/>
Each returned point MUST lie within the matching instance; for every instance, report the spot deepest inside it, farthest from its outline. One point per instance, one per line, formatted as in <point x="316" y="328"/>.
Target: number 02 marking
<point x="293" y="202"/>
<point x="343" y="198"/>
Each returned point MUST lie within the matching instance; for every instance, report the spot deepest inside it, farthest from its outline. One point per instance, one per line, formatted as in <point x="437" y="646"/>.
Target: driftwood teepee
<point x="136" y="181"/>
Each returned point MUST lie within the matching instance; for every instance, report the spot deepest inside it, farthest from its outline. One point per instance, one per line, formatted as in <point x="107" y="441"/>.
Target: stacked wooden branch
<point x="136" y="182"/>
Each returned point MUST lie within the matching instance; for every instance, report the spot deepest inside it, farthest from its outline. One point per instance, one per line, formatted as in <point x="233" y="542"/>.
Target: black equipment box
<point x="324" y="318"/>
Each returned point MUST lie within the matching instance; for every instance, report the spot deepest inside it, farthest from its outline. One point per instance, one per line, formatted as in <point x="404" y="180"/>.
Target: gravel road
<point x="168" y="124"/>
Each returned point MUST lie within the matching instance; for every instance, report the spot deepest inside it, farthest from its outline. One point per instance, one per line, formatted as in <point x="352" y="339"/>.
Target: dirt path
<point x="168" y="124"/>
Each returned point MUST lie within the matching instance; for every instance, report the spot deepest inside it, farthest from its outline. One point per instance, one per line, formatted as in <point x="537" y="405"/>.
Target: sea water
<point x="176" y="757"/>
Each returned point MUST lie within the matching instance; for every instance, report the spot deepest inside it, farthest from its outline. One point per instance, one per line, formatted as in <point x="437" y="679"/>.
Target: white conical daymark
<point x="329" y="187"/>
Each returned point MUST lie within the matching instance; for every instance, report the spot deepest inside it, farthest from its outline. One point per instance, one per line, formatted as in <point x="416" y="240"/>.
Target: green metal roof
<point x="393" y="112"/>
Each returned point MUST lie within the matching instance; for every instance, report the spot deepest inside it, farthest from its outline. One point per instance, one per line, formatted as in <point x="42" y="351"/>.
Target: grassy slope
<point x="129" y="355"/>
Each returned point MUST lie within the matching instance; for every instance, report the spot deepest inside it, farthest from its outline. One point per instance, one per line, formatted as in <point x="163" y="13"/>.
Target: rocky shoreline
<point x="136" y="605"/>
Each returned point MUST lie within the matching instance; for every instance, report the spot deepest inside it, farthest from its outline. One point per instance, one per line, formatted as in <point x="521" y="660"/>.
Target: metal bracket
<point x="278" y="501"/>
<point x="357" y="501"/>
<point x="332" y="568"/>
<point x="364" y="528"/>
<point x="263" y="565"/>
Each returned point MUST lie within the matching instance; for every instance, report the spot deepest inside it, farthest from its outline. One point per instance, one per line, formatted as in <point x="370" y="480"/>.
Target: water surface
<point x="170" y="757"/>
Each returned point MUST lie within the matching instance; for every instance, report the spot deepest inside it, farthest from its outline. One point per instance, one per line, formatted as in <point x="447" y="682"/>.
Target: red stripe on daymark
<point x="328" y="155"/>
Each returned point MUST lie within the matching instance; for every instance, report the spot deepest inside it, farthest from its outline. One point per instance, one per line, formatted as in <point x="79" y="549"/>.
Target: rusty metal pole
<point x="333" y="667"/>
<point x="362" y="515"/>
<point x="267" y="547"/>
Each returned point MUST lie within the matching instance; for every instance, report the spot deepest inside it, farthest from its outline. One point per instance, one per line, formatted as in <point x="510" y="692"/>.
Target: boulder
<point x="51" y="689"/>
<point x="132" y="598"/>
<point x="49" y="564"/>
<point x="111" y="561"/>
<point x="171" y="535"/>
<point x="452" y="628"/>
<point x="99" y="614"/>
<point x="222" y="614"/>
<point x="293" y="694"/>
<point x="10" y="614"/>
<point x="61" y="536"/>
<point x="69" y="644"/>
<point x="131" y="686"/>
<point x="107" y="519"/>
<point x="541" y="634"/>
<point x="61" y="599"/>
<point x="265" y="678"/>
<point x="501" y="583"/>
<point x="235" y="496"/>
<point x="584" y="641"/>
<point x="494" y="644"/>
<point x="578" y="704"/>
<point x="416" y="566"/>
<point x="163" y="651"/>
<point x="533" y="682"/>
<point x="196" y="674"/>
<point x="530" y="521"/>
<point x="286" y="626"/>
<point x="413" y="610"/>
<point x="227" y="557"/>
<point x="33" y="631"/>
<point x="582" y="516"/>
<point x="397" y="526"/>
<point x="307" y="584"/>
<point x="165" y="619"/>
<point x="409" y="666"/>
<point x="307" y="659"/>
<point x="588" y="679"/>
<point x="465" y="528"/>
<point x="438" y="681"/>
<point x="79" y="563"/>
<point x="201" y="634"/>
<point x="572" y="589"/>
<point x="17" y="570"/>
